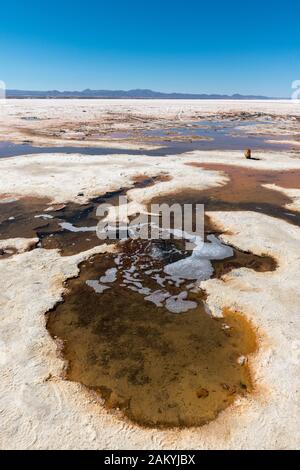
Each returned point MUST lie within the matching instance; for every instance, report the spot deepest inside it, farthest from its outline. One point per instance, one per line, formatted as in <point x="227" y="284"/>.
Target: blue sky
<point x="188" y="46"/>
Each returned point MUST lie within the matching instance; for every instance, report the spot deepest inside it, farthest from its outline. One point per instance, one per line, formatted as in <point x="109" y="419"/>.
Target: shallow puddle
<point x="144" y="339"/>
<point x="31" y="217"/>
<point x="158" y="367"/>
<point x="223" y="135"/>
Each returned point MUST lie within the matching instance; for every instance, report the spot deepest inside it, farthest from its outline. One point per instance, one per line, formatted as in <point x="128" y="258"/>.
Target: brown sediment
<point x="141" y="178"/>
<point x="158" y="368"/>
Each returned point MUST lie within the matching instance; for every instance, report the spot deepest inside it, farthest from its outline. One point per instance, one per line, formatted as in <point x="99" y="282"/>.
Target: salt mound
<point x="198" y="266"/>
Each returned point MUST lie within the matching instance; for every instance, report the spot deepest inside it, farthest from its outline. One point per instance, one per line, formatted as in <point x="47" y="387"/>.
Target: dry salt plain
<point x="141" y="345"/>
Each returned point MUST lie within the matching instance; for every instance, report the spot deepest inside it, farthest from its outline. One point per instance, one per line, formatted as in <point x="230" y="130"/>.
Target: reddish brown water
<point x="245" y="191"/>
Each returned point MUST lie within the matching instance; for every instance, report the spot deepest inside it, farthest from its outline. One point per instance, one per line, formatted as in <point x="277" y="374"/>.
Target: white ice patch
<point x="190" y="268"/>
<point x="43" y="216"/>
<point x="178" y="303"/>
<point x="156" y="252"/>
<point x="110" y="275"/>
<point x="159" y="280"/>
<point x="71" y="228"/>
<point x="198" y="266"/>
<point x="242" y="360"/>
<point x="98" y="288"/>
<point x="150" y="271"/>
<point x="215" y="249"/>
<point x="137" y="284"/>
<point x="140" y="290"/>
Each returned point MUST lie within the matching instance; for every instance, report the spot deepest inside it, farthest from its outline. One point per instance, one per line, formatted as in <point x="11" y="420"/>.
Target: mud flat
<point x="238" y="325"/>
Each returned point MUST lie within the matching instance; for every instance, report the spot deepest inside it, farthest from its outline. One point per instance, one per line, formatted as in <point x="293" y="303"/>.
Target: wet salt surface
<point x="219" y="135"/>
<point x="224" y="135"/>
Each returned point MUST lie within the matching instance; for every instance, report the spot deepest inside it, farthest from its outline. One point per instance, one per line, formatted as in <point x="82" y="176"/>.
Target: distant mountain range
<point x="137" y="94"/>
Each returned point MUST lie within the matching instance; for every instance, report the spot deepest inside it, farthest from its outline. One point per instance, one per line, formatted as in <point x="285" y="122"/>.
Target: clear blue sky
<point x="188" y="46"/>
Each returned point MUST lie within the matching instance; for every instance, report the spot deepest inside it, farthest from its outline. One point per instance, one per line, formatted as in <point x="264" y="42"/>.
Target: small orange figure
<point x="248" y="154"/>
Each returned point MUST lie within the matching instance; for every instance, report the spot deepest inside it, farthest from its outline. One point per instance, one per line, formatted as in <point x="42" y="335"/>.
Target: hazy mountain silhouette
<point x="114" y="94"/>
